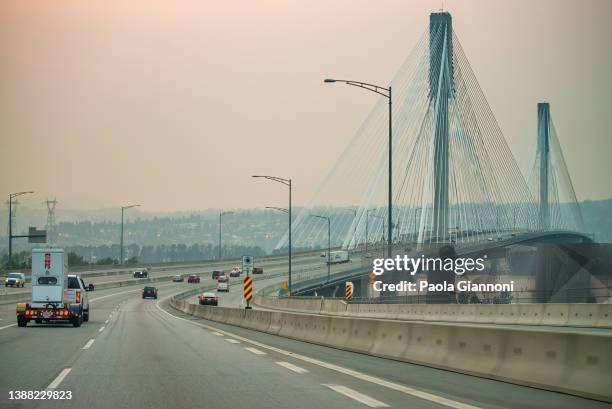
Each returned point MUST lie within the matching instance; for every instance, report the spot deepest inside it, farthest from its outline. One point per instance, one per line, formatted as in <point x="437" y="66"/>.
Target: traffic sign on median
<point x="247" y="264"/>
<point x="348" y="291"/>
<point x="248" y="289"/>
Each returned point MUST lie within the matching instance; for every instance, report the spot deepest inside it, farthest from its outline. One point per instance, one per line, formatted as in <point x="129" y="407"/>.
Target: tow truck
<point x="56" y="295"/>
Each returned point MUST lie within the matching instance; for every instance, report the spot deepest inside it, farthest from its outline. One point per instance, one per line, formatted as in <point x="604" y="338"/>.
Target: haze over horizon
<point x="175" y="105"/>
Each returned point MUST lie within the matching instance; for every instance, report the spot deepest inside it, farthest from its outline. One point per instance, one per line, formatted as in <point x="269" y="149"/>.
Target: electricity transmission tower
<point x="50" y="219"/>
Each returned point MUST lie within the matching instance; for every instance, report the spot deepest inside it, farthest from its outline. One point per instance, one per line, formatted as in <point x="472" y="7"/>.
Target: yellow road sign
<point x="348" y="291"/>
<point x="248" y="288"/>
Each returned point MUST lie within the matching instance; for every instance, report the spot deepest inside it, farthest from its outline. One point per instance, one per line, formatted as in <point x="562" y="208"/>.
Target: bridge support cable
<point x="456" y="179"/>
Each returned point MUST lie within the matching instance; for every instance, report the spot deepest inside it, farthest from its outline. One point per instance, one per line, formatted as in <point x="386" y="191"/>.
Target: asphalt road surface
<point x="300" y="262"/>
<point x="137" y="353"/>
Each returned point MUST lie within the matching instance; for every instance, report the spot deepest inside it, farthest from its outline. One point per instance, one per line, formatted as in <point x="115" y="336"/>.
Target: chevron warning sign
<point x="248" y="289"/>
<point x="348" y="291"/>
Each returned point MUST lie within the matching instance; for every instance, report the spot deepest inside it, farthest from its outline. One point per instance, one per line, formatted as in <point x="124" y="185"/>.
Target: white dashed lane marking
<point x="255" y="351"/>
<point x="292" y="367"/>
<point x="359" y="397"/>
<point x="88" y="344"/>
<point x="56" y="382"/>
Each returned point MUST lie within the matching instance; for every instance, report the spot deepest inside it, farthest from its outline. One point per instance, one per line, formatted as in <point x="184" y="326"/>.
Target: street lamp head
<point x="329" y="80"/>
<point x="280" y="209"/>
<point x="20" y="193"/>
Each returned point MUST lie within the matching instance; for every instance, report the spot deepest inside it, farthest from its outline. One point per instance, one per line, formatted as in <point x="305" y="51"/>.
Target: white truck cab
<point x="56" y="295"/>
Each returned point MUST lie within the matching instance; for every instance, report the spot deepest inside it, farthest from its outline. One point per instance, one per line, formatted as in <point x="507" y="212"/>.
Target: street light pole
<point x="10" y="249"/>
<point x="328" y="243"/>
<point x="286" y="182"/>
<point x="220" y="215"/>
<point x="387" y="93"/>
<point x="123" y="208"/>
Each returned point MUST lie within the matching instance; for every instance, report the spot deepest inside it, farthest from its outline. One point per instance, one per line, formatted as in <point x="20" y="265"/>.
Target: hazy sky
<point x="174" y="104"/>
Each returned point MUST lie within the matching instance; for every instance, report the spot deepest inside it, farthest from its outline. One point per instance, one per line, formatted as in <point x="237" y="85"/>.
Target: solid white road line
<point x="217" y="334"/>
<point x="56" y="382"/>
<point x="7" y="326"/>
<point x="359" y="397"/>
<point x="255" y="351"/>
<point x="88" y="344"/>
<point x="232" y="341"/>
<point x="346" y="371"/>
<point x="292" y="367"/>
<point x="101" y="329"/>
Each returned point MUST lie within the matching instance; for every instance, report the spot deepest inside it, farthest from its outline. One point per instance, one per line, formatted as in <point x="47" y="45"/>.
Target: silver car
<point x="15" y="280"/>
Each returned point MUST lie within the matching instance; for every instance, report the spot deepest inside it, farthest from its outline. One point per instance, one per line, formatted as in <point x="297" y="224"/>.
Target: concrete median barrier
<point x="574" y="315"/>
<point x="574" y="362"/>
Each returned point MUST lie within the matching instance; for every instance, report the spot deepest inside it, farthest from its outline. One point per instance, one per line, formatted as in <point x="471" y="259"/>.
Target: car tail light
<point x="78" y="296"/>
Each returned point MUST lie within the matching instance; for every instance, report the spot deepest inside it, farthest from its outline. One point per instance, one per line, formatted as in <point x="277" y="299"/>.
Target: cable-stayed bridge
<point x="455" y="180"/>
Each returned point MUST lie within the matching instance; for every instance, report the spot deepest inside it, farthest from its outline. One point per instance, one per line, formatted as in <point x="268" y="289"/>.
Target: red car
<point x="209" y="299"/>
<point x="193" y="278"/>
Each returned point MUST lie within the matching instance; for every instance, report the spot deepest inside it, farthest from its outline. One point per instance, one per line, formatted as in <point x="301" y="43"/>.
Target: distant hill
<point x="245" y="228"/>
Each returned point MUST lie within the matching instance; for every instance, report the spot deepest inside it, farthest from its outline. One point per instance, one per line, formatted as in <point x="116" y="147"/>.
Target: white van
<point x="223" y="283"/>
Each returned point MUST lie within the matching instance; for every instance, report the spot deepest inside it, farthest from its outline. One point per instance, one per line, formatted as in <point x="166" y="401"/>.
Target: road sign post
<point x="348" y="291"/>
<point x="247" y="265"/>
<point x="247" y="290"/>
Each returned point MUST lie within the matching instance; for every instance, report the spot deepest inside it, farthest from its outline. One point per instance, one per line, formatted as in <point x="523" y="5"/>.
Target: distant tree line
<point x="163" y="253"/>
<point x="109" y="255"/>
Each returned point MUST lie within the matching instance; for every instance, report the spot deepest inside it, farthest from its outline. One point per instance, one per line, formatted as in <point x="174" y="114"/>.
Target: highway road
<point x="299" y="263"/>
<point x="137" y="353"/>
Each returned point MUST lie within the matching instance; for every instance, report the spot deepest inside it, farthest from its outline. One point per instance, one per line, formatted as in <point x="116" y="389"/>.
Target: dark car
<point x="209" y="299"/>
<point x="257" y="270"/>
<point x="149" y="292"/>
<point x="216" y="274"/>
<point x="193" y="278"/>
<point x="141" y="273"/>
